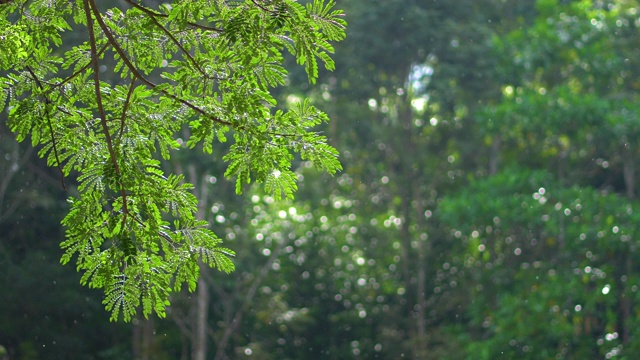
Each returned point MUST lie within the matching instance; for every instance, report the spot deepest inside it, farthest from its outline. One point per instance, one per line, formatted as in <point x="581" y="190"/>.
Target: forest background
<point x="487" y="208"/>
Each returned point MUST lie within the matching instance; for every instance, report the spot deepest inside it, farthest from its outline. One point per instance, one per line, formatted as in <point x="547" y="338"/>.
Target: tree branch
<point x="103" y="115"/>
<point x="153" y="15"/>
<point x="264" y="8"/>
<point x="157" y="14"/>
<point x="134" y="70"/>
<point x="104" y="47"/>
<point x="47" y="102"/>
<point x="126" y="105"/>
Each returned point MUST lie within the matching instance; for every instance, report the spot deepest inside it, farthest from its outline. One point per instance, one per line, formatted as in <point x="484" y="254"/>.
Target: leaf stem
<point x="72" y="76"/>
<point x="152" y="15"/>
<point x="157" y="14"/>
<point x="136" y="72"/>
<point x="103" y="115"/>
<point x="47" y="102"/>
<point x="126" y="105"/>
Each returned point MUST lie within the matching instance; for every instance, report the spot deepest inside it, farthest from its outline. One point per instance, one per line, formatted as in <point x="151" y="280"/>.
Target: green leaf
<point x="134" y="87"/>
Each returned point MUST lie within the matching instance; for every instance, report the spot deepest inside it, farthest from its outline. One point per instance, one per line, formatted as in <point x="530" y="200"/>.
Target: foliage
<point x="488" y="206"/>
<point x="207" y="66"/>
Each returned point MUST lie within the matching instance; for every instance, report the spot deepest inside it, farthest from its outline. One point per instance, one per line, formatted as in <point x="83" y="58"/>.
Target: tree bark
<point x="200" y="334"/>
<point x="136" y="339"/>
<point x="199" y="344"/>
<point x="143" y="338"/>
<point x="494" y="155"/>
<point x="147" y="339"/>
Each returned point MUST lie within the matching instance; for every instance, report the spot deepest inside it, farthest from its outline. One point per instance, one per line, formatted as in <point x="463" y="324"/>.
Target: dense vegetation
<point x="487" y="207"/>
<point x="215" y="63"/>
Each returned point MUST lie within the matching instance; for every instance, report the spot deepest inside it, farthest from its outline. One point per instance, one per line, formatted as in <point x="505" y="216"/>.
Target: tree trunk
<point x="143" y="337"/>
<point x="201" y="316"/>
<point x="147" y="339"/>
<point x="625" y="301"/>
<point x="199" y="344"/>
<point x="137" y="342"/>
<point x="494" y="155"/>
<point x="232" y="324"/>
<point x="423" y="250"/>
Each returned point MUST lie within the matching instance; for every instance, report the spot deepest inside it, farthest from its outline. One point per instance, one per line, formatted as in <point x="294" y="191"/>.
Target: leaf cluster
<point x="108" y="109"/>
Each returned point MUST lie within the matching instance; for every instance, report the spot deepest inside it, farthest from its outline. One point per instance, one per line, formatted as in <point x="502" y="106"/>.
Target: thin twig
<point x="47" y="102"/>
<point x="204" y="27"/>
<point x="126" y="105"/>
<point x="104" y="47"/>
<point x="152" y="15"/>
<point x="264" y="8"/>
<point x="192" y="24"/>
<point x="103" y="115"/>
<point x="134" y="70"/>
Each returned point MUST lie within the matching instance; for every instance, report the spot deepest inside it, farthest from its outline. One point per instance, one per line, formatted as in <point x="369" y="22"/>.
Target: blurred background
<point x="487" y="208"/>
